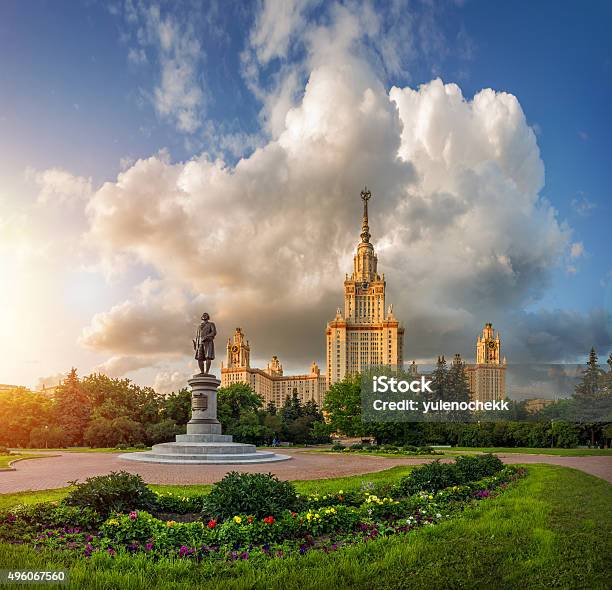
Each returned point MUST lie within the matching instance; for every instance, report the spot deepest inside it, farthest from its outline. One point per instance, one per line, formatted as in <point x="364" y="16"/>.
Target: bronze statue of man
<point x="204" y="345"/>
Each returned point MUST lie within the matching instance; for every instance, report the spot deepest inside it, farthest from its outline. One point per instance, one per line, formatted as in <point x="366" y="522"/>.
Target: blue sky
<point x="77" y="93"/>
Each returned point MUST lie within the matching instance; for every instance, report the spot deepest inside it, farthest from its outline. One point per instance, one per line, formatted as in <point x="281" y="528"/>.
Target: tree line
<point x="100" y="411"/>
<point x="583" y="418"/>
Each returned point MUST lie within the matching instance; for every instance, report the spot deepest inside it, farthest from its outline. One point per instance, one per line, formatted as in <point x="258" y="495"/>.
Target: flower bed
<point x="322" y="522"/>
<point x="408" y="450"/>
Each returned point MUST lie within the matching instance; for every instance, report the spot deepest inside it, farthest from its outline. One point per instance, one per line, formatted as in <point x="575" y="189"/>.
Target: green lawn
<point x="531" y="451"/>
<point x="85" y="450"/>
<point x="551" y="529"/>
<point x="322" y="486"/>
<point x="6" y="460"/>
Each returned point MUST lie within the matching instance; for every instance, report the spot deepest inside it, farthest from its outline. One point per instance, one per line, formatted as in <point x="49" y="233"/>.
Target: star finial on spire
<point x="366" y="195"/>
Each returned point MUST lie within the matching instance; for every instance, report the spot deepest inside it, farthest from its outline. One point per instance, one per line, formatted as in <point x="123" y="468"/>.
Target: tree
<point x="22" y="411"/>
<point x="234" y="400"/>
<point x="591" y="377"/>
<point x="271" y="408"/>
<point x="439" y="380"/>
<point x="457" y="384"/>
<point x="292" y="408"/>
<point x="177" y="406"/>
<point x="299" y="430"/>
<point x="164" y="431"/>
<point x="100" y="433"/>
<point x="343" y="406"/>
<point x="311" y="409"/>
<point x="43" y="437"/>
<point x="72" y="409"/>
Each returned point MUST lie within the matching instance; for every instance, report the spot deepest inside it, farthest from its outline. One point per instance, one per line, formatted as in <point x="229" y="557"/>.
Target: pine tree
<point x="271" y="409"/>
<point x="72" y="409"/>
<point x="439" y="380"/>
<point x="458" y="387"/>
<point x="591" y="377"/>
<point x="292" y="408"/>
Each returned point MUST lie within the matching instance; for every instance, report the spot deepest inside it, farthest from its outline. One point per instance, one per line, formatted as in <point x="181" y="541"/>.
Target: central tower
<point x="364" y="335"/>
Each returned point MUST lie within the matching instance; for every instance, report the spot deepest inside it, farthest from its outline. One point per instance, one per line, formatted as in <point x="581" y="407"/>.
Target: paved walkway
<point x="57" y="471"/>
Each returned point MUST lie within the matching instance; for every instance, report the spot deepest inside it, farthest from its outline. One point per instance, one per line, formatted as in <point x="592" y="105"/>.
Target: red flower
<point x="294" y="514"/>
<point x="250" y="519"/>
<point x="212" y="524"/>
<point x="269" y="519"/>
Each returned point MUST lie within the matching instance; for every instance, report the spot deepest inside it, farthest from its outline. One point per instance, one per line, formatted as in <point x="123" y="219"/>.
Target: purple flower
<point x="234" y="555"/>
<point x="149" y="546"/>
<point x="111" y="552"/>
<point x="133" y="515"/>
<point x="244" y="555"/>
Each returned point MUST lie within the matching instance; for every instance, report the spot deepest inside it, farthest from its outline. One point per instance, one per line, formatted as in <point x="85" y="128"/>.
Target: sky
<point x="158" y="160"/>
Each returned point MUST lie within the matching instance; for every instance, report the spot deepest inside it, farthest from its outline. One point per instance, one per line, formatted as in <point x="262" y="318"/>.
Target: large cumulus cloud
<point x="462" y="231"/>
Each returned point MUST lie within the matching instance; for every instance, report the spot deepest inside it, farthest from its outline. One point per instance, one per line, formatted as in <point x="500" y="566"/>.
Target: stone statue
<point x="204" y="345"/>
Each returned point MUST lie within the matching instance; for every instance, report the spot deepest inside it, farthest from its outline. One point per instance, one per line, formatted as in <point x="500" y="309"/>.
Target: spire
<point x="365" y="229"/>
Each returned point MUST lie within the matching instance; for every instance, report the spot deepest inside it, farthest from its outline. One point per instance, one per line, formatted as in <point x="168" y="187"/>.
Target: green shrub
<point x="169" y="502"/>
<point x="257" y="494"/>
<point x="425" y="450"/>
<point x="431" y="477"/>
<point x="19" y="522"/>
<point x="410" y="449"/>
<point x="472" y="468"/>
<point x="117" y="492"/>
<point x="337" y="447"/>
<point x="357" y="447"/>
<point x="437" y="476"/>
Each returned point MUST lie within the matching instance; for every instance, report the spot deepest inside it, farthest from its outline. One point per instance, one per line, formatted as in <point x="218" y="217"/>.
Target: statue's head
<point x="205" y="317"/>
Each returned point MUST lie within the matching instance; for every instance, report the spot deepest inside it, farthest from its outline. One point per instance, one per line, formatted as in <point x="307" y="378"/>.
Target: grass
<point x="86" y="450"/>
<point x="387" y="454"/>
<point x="531" y="451"/>
<point x="321" y="486"/>
<point x="551" y="529"/>
<point x="6" y="460"/>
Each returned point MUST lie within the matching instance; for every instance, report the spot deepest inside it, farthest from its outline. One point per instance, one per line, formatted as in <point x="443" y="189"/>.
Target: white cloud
<point x="118" y="366"/>
<point x="277" y="23"/>
<point x="457" y="219"/>
<point x="582" y="205"/>
<point x="58" y="185"/>
<point x="170" y="381"/>
<point x="178" y="95"/>
<point x="577" y="250"/>
<point x="50" y="381"/>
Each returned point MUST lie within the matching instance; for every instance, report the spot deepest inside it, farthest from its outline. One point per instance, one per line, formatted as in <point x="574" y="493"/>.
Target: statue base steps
<point x="211" y="449"/>
<point x="204" y="442"/>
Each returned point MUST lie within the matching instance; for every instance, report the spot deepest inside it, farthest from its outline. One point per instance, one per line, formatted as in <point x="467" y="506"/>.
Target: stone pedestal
<point x="204" y="405"/>
<point x="204" y="442"/>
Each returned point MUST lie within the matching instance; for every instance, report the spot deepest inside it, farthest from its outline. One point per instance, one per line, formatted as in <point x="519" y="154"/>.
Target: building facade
<point x="487" y="377"/>
<point x="269" y="383"/>
<point x="367" y="333"/>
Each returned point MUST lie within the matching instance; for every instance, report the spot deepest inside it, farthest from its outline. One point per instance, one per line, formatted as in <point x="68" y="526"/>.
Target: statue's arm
<point x="213" y="331"/>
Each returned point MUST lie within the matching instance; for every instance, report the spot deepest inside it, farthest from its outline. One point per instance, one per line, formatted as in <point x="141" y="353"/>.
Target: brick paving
<point x="57" y="471"/>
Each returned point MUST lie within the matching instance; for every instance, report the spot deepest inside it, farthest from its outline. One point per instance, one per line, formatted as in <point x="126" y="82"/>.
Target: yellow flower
<point x="237" y="519"/>
<point x="170" y="523"/>
<point x="340" y="492"/>
<point x="112" y="522"/>
<point x="430" y="497"/>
